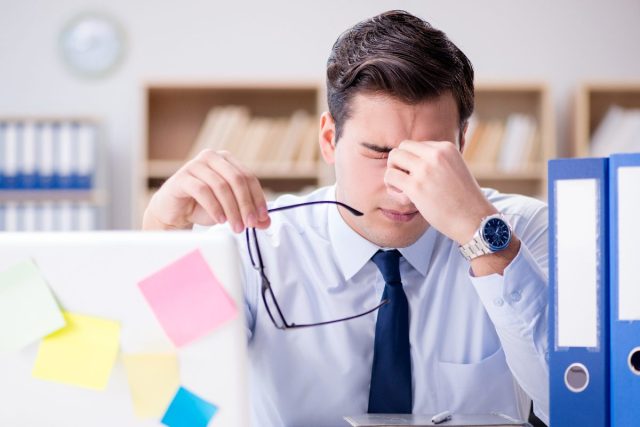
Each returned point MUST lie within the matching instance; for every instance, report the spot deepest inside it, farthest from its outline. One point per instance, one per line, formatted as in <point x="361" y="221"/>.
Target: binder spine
<point x="625" y="289"/>
<point x="578" y="307"/>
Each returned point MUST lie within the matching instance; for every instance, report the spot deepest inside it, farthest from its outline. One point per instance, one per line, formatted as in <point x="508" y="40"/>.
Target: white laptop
<point x="97" y="274"/>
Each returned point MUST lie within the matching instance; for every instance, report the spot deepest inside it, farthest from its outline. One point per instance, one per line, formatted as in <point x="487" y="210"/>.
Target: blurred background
<point x="101" y="101"/>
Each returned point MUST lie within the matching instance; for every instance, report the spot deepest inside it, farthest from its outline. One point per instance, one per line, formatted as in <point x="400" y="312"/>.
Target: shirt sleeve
<point x="516" y="302"/>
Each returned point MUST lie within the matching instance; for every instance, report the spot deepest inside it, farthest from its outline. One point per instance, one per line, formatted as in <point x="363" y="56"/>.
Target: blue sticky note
<point x="188" y="410"/>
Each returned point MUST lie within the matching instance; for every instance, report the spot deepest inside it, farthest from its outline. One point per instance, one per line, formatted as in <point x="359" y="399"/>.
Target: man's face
<point x="376" y="125"/>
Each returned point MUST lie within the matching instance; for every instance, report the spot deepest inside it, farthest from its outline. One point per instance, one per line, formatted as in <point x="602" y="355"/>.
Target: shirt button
<point x="515" y="296"/>
<point x="498" y="302"/>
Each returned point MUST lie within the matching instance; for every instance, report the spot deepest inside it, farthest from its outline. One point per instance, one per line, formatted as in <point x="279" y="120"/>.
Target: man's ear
<point x="327" y="137"/>
<point x="463" y="138"/>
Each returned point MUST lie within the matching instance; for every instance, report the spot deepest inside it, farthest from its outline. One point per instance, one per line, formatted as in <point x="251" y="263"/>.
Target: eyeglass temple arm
<point x="329" y="322"/>
<point x="318" y="202"/>
<point x="267" y="288"/>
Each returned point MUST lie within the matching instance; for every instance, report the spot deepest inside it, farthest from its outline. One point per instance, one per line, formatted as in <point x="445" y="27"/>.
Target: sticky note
<point x="153" y="381"/>
<point x="28" y="310"/>
<point x="187" y="299"/>
<point x="188" y="410"/>
<point x="82" y="353"/>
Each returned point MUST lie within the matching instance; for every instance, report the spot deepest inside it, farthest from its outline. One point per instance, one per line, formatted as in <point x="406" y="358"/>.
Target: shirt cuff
<point x="520" y="292"/>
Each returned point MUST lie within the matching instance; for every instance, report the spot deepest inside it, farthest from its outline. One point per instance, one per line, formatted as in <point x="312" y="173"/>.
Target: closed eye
<point x="377" y="151"/>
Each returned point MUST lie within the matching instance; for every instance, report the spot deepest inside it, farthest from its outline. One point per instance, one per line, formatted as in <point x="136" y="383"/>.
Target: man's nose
<point x="397" y="196"/>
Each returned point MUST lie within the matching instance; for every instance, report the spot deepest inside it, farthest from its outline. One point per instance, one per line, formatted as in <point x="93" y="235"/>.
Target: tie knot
<point x="388" y="263"/>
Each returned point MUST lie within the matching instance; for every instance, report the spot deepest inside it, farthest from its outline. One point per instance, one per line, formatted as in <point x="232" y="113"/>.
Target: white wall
<point x="562" y="42"/>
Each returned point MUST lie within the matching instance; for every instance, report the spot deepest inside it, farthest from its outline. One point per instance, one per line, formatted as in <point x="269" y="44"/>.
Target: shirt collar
<point x="353" y="251"/>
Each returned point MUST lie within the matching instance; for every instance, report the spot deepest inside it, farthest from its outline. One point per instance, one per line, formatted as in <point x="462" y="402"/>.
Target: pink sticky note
<point x="187" y="299"/>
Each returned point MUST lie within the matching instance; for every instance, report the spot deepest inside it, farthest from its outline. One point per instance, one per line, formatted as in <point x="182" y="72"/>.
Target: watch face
<point x="496" y="233"/>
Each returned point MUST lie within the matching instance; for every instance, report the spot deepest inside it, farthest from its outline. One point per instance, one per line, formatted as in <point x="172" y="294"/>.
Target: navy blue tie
<point x="390" y="391"/>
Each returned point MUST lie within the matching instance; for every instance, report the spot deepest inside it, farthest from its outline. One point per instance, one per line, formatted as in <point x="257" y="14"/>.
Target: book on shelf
<point x="617" y="132"/>
<point x="309" y="150"/>
<point x="267" y="144"/>
<point x="205" y="135"/>
<point x="292" y="139"/>
<point x="506" y="146"/>
<point x="237" y="119"/>
<point x="519" y="134"/>
<point x="245" y="146"/>
<point x="472" y="140"/>
<point x="257" y="150"/>
<point x="486" y="154"/>
<point x="221" y="128"/>
<point x="261" y="143"/>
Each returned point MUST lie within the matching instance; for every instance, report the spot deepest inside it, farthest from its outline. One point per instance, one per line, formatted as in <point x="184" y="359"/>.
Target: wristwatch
<point x="493" y="235"/>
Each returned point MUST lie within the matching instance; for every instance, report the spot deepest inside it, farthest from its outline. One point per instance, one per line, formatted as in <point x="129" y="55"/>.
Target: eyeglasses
<point x="269" y="298"/>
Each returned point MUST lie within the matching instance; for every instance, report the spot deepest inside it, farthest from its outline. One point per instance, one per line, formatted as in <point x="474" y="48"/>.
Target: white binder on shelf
<point x="28" y="155"/>
<point x="86" y="138"/>
<point x="10" y="156"/>
<point x="29" y="218"/>
<point x="46" y="157"/>
<point x="47" y="217"/>
<point x="65" y="216"/>
<point x="11" y="217"/>
<point x="65" y="156"/>
<point x="86" y="217"/>
<point x="2" y="172"/>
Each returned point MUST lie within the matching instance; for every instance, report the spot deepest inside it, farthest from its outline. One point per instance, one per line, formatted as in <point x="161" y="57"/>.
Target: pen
<point x="505" y="416"/>
<point x="441" y="417"/>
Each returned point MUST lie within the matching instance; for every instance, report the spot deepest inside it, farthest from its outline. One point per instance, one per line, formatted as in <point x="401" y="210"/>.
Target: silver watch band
<point x="475" y="248"/>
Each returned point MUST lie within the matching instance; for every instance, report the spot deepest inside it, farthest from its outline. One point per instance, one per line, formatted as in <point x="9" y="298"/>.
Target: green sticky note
<point x="82" y="353"/>
<point x="28" y="310"/>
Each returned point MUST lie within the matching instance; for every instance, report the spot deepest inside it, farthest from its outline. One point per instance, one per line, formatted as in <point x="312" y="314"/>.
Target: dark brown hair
<point x="400" y="55"/>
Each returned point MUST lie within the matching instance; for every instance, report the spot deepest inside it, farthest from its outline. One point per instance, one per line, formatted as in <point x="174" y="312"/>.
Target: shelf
<point x="50" y="146"/>
<point x="176" y="111"/>
<point x="95" y="197"/>
<point x="593" y="100"/>
<point x="532" y="173"/>
<point x="162" y="169"/>
<point x="497" y="103"/>
<point x="175" y="114"/>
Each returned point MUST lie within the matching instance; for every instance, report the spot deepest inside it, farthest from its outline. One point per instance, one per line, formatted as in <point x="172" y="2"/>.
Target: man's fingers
<point x="223" y="192"/>
<point x="435" y="153"/>
<point x="238" y="183"/>
<point x="402" y="160"/>
<point x="259" y="200"/>
<point x="396" y="179"/>
<point x="200" y="191"/>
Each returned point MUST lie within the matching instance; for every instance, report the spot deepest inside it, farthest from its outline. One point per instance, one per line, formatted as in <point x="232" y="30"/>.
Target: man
<point x="460" y="333"/>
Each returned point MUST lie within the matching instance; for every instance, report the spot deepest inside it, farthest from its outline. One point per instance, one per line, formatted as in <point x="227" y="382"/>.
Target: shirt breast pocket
<point x="477" y="388"/>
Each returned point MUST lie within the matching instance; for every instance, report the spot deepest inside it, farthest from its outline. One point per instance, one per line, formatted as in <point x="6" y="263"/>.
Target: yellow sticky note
<point x="82" y="353"/>
<point x="153" y="381"/>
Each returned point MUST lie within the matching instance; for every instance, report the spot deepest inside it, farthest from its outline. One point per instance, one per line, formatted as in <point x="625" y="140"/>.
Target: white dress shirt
<point x="476" y="342"/>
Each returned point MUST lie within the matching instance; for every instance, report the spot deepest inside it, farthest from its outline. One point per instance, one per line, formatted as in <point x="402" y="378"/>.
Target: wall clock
<point x="92" y="45"/>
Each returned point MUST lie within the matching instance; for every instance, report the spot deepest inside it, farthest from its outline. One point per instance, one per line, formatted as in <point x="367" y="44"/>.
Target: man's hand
<point x="435" y="178"/>
<point x="210" y="189"/>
